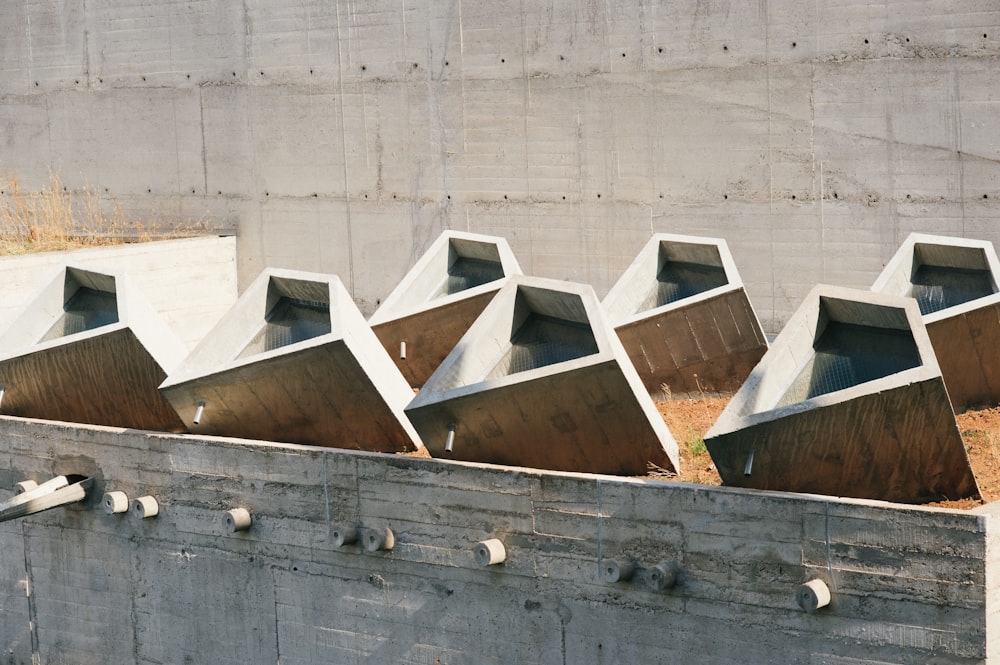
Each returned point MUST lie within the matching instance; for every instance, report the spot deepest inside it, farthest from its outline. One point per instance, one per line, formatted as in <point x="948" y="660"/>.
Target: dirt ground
<point x="688" y="420"/>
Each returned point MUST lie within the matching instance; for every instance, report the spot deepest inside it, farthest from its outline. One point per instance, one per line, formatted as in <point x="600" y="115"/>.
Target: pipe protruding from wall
<point x="402" y="350"/>
<point x="3" y="389"/>
<point x="24" y="486"/>
<point x="490" y="552"/>
<point x="748" y="469"/>
<point x="146" y="506"/>
<point x="379" y="539"/>
<point x="813" y="595"/>
<point x="344" y="534"/>
<point x="449" y="442"/>
<point x="662" y="576"/>
<point x="198" y="413"/>
<point x="115" y="502"/>
<point x="238" y="519"/>
<point x="58" y="491"/>
<point x="614" y="571"/>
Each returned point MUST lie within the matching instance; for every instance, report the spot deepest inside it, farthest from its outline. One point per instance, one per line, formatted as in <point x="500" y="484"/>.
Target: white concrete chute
<point x="59" y="491"/>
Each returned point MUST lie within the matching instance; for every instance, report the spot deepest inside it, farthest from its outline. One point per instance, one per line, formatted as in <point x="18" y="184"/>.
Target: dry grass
<point x="56" y="218"/>
<point x="688" y="420"/>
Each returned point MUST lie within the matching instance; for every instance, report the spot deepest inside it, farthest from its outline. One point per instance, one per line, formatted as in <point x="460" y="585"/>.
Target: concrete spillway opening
<point x="942" y="277"/>
<point x="847" y="354"/>
<point x="541" y="337"/>
<point x="684" y="317"/>
<point x="465" y="272"/>
<point x="90" y="302"/>
<point x="848" y="401"/>
<point x="954" y="282"/>
<point x="430" y="309"/>
<point x="684" y="269"/>
<point x="668" y="270"/>
<point x="296" y="311"/>
<point x="842" y="343"/>
<point x="294" y="361"/>
<point x="541" y="380"/>
<point x="454" y="264"/>
<point x="543" y="341"/>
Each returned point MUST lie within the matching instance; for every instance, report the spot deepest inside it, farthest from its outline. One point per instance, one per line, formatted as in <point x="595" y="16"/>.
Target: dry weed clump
<point x="55" y="218"/>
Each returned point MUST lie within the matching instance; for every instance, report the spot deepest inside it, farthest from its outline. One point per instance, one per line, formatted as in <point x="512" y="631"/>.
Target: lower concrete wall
<point x="909" y="585"/>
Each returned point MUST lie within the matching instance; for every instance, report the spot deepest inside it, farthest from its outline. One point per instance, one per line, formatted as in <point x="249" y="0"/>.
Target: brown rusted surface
<point x="707" y="347"/>
<point x="900" y="444"/>
<point x="318" y="395"/>
<point x="430" y="335"/>
<point x="966" y="348"/>
<point x="107" y="379"/>
<point x="585" y="420"/>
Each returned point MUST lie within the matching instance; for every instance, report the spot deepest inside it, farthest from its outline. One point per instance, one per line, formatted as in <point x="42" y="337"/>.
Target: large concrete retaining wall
<point x="80" y="585"/>
<point x="343" y="137"/>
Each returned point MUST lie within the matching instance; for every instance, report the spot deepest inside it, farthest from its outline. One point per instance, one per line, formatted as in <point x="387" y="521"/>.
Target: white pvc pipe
<point x="115" y="502"/>
<point x="51" y="494"/>
<point x="748" y="469"/>
<point x="449" y="442"/>
<point x="146" y="506"/>
<point x="813" y="595"/>
<point x="24" y="486"/>
<point x="31" y="493"/>
<point x="238" y="519"/>
<point x="198" y="413"/>
<point x="402" y="350"/>
<point x="490" y="552"/>
<point x="379" y="539"/>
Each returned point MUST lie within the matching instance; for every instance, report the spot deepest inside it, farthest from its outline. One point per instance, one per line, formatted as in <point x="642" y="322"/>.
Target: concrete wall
<point x="909" y="585"/>
<point x="343" y="137"/>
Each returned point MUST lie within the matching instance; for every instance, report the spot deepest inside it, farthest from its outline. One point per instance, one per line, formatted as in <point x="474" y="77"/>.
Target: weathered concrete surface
<point x="909" y="585"/>
<point x="541" y="380"/>
<point x="293" y="360"/>
<point x="955" y="283"/>
<point x="190" y="282"/>
<point x="344" y="137"/>
<point x="102" y="364"/>
<point x="684" y="318"/>
<point x="430" y="309"/>
<point x="848" y="401"/>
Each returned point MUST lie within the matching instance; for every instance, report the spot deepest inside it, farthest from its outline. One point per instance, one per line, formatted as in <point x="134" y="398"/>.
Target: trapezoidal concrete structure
<point x="540" y="380"/>
<point x="421" y="321"/>
<point x="294" y="361"/>
<point x="848" y="401"/>
<point x="88" y="348"/>
<point x="684" y="318"/>
<point x="954" y="281"/>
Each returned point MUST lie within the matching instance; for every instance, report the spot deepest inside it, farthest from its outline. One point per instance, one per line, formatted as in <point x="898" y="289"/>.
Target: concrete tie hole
<point x="613" y="572"/>
<point x="661" y="577"/>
